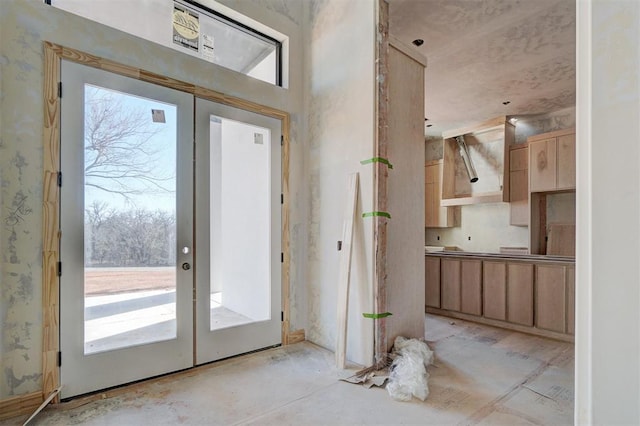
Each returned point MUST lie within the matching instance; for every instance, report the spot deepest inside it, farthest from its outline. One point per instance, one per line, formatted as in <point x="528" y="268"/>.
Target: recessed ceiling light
<point x="426" y="119"/>
<point x="429" y="125"/>
<point x="506" y="102"/>
<point x="418" y="42"/>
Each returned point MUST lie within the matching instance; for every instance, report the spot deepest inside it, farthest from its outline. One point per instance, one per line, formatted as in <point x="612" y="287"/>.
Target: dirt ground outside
<point x="101" y="281"/>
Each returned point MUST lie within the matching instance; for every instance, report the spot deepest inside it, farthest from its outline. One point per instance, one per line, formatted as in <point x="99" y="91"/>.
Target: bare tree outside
<point x="120" y="156"/>
<point x="129" y="178"/>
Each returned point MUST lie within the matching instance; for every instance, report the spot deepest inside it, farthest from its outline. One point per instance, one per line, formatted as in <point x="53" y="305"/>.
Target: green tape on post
<point x="376" y="316"/>
<point x="377" y="160"/>
<point x="371" y="214"/>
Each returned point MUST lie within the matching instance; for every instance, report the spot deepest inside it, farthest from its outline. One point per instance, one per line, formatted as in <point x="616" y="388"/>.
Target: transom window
<point x="191" y="28"/>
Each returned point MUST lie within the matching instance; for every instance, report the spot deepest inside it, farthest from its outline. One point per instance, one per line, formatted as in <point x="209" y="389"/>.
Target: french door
<point x="153" y="278"/>
<point x="238" y="231"/>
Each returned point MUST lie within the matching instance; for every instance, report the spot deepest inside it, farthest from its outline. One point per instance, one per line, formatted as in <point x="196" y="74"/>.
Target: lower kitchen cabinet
<point x="520" y="293"/>
<point x="555" y="298"/>
<point x="525" y="294"/>
<point x="450" y="270"/>
<point x="461" y="285"/>
<point x="471" y="287"/>
<point x="432" y="282"/>
<point x="494" y="286"/>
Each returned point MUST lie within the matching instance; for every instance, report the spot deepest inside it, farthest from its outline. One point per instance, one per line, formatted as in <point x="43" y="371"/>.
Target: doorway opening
<point x="128" y="271"/>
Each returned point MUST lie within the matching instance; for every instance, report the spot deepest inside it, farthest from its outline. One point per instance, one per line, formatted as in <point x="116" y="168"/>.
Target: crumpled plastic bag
<point x="409" y="376"/>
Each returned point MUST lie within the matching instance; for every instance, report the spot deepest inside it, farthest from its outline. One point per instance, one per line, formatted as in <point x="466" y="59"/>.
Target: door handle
<point x="186" y="266"/>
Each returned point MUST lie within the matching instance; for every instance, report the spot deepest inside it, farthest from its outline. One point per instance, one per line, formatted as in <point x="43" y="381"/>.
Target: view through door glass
<point x="129" y="221"/>
<point x="240" y="212"/>
<point x="126" y="214"/>
<point x="238" y="231"/>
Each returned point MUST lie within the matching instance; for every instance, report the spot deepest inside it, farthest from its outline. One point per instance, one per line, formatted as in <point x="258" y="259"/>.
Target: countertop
<point x="523" y="257"/>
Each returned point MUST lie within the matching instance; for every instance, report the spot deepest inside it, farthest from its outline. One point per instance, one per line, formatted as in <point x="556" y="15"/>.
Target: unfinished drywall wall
<point x="608" y="247"/>
<point x="24" y="25"/>
<point x="485" y="227"/>
<point x="341" y="110"/>
<point x="542" y="123"/>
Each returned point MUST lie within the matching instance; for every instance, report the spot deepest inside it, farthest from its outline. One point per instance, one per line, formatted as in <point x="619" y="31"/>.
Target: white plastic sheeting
<point x="409" y="376"/>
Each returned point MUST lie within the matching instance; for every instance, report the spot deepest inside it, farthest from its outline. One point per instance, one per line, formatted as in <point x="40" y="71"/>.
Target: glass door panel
<point x="129" y="220"/>
<point x="238" y="228"/>
<point x="240" y="214"/>
<point x="126" y="212"/>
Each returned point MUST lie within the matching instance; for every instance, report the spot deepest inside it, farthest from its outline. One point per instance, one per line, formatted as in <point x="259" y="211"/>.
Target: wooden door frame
<point x="53" y="55"/>
<point x="381" y="175"/>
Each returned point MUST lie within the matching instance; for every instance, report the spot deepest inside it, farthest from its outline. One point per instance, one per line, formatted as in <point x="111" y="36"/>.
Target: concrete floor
<point x="481" y="375"/>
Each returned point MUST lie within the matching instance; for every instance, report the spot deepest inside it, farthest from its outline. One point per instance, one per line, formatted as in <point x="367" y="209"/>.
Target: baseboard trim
<point x="295" y="337"/>
<point x="20" y="405"/>
<point x="502" y="324"/>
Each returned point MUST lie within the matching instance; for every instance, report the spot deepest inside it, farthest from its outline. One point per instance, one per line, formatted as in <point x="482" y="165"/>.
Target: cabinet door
<point x="432" y="204"/>
<point x="566" y="161"/>
<point x="518" y="159"/>
<point x="542" y="165"/>
<point x="450" y="284"/>
<point x="519" y="201"/>
<point x="519" y="174"/>
<point x="519" y="185"/>
<point x="471" y="287"/>
<point x="432" y="281"/>
<point x="430" y="174"/>
<point x="494" y="290"/>
<point x="520" y="293"/>
<point x="435" y="215"/>
<point x="551" y="290"/>
<point x="444" y="215"/>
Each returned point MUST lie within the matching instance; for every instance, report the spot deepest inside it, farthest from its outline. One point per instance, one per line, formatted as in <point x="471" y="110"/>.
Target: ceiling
<point x="482" y="53"/>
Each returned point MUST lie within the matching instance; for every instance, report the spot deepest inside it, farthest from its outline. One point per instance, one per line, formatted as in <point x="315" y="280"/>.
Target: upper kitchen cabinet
<point x="476" y="163"/>
<point x="435" y="215"/>
<point x="552" y="161"/>
<point x="519" y="184"/>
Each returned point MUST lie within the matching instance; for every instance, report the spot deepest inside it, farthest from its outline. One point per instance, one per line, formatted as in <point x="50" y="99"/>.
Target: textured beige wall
<point x="24" y="25"/>
<point x="340" y="102"/>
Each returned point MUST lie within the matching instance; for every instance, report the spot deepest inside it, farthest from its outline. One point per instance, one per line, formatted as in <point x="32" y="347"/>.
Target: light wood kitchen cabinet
<point x="494" y="290"/>
<point x="519" y="184"/>
<point x="520" y="293"/>
<point x="555" y="298"/>
<point x="450" y="270"/>
<point x="542" y="165"/>
<point x="460" y="287"/>
<point x="432" y="282"/>
<point x="552" y="161"/>
<point x="525" y="293"/>
<point x="552" y="169"/>
<point x="435" y="216"/>
<point x="566" y="178"/>
<point x="471" y="287"/>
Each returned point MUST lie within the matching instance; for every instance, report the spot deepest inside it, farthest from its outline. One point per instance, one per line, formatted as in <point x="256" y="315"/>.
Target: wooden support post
<point x="345" y="270"/>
